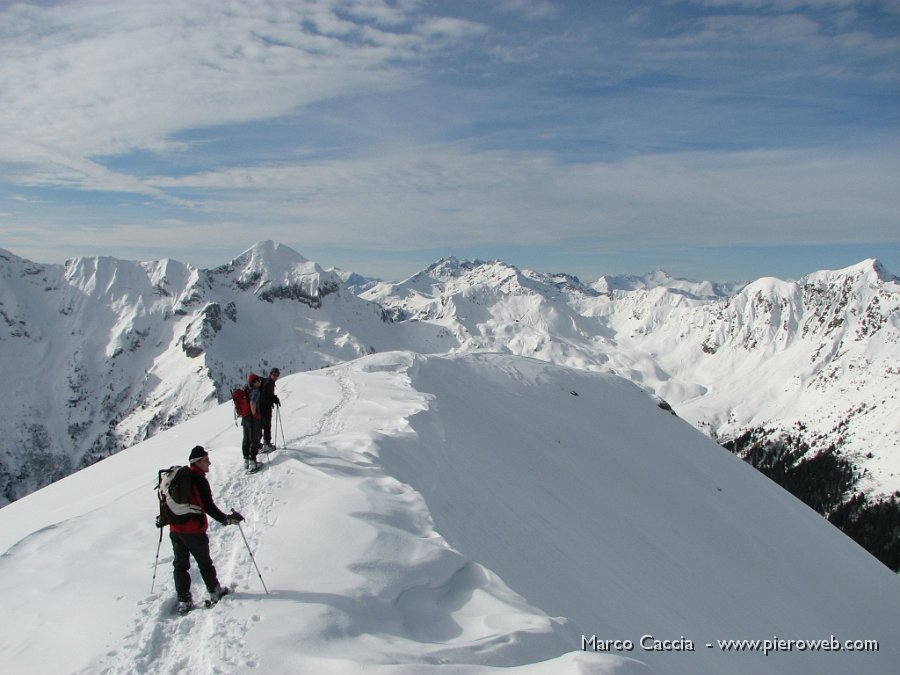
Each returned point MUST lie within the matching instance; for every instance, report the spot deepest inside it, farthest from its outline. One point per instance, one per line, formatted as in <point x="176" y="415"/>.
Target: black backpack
<point x="174" y="489"/>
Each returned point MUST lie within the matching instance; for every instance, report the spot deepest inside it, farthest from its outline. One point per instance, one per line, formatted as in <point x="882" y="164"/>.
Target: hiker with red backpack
<point x="188" y="531"/>
<point x="248" y="407"/>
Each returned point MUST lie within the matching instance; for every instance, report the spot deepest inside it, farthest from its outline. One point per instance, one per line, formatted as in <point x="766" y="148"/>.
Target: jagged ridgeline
<point x="109" y="352"/>
<point x="113" y="351"/>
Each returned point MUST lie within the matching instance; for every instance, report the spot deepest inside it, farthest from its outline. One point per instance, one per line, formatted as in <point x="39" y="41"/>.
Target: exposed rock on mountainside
<point x="113" y="351"/>
<point x="108" y="352"/>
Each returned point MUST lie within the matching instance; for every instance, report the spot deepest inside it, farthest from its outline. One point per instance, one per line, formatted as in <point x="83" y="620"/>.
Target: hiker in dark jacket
<point x="189" y="538"/>
<point x="268" y="399"/>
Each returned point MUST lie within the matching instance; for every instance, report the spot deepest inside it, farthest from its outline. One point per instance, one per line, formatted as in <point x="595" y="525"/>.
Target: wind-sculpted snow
<point x="450" y="514"/>
<point x="359" y="578"/>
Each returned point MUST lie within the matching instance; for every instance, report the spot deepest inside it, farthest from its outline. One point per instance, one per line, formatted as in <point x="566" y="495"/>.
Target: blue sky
<point x="716" y="139"/>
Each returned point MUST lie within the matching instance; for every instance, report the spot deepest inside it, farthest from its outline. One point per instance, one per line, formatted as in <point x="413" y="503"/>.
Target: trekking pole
<point x="156" y="564"/>
<point x="280" y="424"/>
<point x="277" y="421"/>
<point x="251" y="556"/>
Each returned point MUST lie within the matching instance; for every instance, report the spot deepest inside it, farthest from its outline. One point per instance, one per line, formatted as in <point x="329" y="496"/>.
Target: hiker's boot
<point x="219" y="593"/>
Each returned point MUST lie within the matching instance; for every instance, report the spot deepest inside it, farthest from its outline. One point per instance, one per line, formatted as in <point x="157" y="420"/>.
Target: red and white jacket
<point x="201" y="496"/>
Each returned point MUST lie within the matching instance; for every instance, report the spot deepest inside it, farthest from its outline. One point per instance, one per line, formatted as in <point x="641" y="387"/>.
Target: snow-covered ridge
<point x="125" y="349"/>
<point x="820" y="352"/>
<point x="451" y="514"/>
<point x="608" y="285"/>
<point x="114" y="351"/>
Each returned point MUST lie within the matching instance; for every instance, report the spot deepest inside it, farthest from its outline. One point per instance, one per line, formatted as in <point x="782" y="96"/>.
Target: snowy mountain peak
<point x="870" y="272"/>
<point x="772" y="287"/>
<point x="609" y="285"/>
<point x="355" y="283"/>
<point x="102" y="274"/>
<point x="453" y="275"/>
<point x="118" y="350"/>
<point x="269" y="255"/>
<point x="450" y="290"/>
<point x="271" y="269"/>
<point x="881" y="271"/>
<point x="631" y="282"/>
<point x="448" y="268"/>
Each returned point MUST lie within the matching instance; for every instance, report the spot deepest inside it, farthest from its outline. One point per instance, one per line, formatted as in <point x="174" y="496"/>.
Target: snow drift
<point x="454" y="513"/>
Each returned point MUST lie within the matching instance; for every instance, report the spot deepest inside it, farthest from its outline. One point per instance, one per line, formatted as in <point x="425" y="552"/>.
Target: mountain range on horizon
<point x="115" y="351"/>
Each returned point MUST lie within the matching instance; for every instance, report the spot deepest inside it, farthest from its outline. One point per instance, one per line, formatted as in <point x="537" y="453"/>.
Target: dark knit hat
<point x="198" y="453"/>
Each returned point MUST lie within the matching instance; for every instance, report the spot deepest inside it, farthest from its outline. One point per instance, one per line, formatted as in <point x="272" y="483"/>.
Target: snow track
<point x="159" y="640"/>
<point x="404" y="585"/>
<point x="331" y="421"/>
<point x="206" y="640"/>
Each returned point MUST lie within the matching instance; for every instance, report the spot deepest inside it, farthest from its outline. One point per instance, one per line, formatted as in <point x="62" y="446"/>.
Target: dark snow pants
<point x="266" y="421"/>
<point x="252" y="429"/>
<point x="185" y="546"/>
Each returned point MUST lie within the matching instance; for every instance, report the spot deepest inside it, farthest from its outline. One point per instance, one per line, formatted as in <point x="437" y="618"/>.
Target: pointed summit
<point x="449" y="268"/>
<point x="871" y="270"/>
<point x="270" y="267"/>
<point x="270" y="256"/>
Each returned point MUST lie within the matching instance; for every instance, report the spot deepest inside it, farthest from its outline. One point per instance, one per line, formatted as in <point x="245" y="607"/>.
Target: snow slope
<point x="444" y="513"/>
<point x="821" y="354"/>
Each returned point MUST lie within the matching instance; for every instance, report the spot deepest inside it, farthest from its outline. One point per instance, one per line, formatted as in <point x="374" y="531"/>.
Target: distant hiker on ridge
<point x="268" y="399"/>
<point x="252" y="424"/>
<point x="189" y="538"/>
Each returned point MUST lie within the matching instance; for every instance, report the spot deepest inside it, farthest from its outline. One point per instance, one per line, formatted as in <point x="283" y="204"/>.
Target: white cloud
<point x="374" y="123"/>
<point x="383" y="14"/>
<point x="780" y="5"/>
<point x="98" y="79"/>
<point x="448" y="29"/>
<point x="432" y="198"/>
<point x="528" y="9"/>
<point x="811" y="25"/>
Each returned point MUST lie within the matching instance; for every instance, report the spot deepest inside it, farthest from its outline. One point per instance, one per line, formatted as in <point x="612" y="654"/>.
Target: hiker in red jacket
<point x="189" y="538"/>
